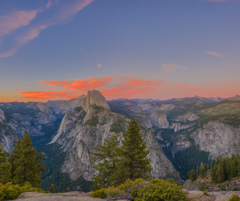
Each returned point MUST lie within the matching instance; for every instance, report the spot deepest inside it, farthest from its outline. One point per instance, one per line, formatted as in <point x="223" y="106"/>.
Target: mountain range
<point x="180" y="133"/>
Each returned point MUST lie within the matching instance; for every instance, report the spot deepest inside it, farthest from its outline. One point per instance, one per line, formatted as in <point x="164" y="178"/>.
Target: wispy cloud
<point x="170" y="68"/>
<point x="16" y="20"/>
<point x="216" y="54"/>
<point x="20" y="19"/>
<point x="99" y="65"/>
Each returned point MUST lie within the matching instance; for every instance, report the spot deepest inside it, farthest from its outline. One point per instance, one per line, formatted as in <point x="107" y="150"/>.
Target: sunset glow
<point x="54" y="49"/>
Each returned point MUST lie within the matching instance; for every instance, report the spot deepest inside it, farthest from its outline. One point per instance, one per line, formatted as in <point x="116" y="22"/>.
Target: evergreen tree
<point x="26" y="164"/>
<point x="5" y="167"/>
<point x="104" y="162"/>
<point x="192" y="176"/>
<point x="52" y="189"/>
<point x="133" y="162"/>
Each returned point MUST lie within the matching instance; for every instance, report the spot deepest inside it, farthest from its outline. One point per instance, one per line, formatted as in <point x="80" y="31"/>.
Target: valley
<point x="180" y="133"/>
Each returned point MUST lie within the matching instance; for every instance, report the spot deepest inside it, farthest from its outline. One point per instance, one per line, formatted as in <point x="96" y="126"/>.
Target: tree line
<point x="223" y="170"/>
<point x="23" y="164"/>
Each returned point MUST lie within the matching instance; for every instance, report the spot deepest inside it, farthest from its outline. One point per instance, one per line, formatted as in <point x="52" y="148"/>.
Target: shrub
<point x="132" y="187"/>
<point x="99" y="193"/>
<point x="205" y="192"/>
<point x="114" y="192"/>
<point x="234" y="197"/>
<point x="11" y="191"/>
<point x="202" y="188"/>
<point x="141" y="190"/>
<point x="162" y="191"/>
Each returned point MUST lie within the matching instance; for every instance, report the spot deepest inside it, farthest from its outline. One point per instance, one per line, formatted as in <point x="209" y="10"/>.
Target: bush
<point x="234" y="197"/>
<point x="132" y="187"/>
<point x="99" y="193"/>
<point x="162" y="191"/>
<point x="202" y="188"/>
<point x="205" y="192"/>
<point x="11" y="191"/>
<point x="114" y="192"/>
<point x="141" y="190"/>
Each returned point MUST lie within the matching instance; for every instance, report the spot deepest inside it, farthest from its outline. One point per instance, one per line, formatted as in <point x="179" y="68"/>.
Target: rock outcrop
<point x="87" y="126"/>
<point x="8" y="136"/>
<point x="177" y="126"/>
<point x="218" y="139"/>
<point x="61" y="107"/>
<point x="158" y="119"/>
<point x="187" y="117"/>
<point x="94" y="98"/>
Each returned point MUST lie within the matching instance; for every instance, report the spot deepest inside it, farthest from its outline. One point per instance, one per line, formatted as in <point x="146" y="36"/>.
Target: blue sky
<point x="148" y="48"/>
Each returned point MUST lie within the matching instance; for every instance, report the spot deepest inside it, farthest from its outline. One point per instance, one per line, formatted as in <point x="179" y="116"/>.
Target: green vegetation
<point x="11" y="191"/>
<point x="26" y="164"/>
<point x="226" y="168"/>
<point x="52" y="189"/>
<point x="201" y="172"/>
<point x="54" y="175"/>
<point x="187" y="159"/>
<point x="5" y="167"/>
<point x="115" y="164"/>
<point x="22" y="170"/>
<point x="106" y="168"/>
<point x="234" y="197"/>
<point x="118" y="126"/>
<point x="93" y="121"/>
<point x="142" y="190"/>
<point x="192" y="176"/>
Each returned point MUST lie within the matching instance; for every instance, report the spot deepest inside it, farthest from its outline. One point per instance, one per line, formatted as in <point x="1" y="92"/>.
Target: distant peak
<point x="94" y="97"/>
<point x="234" y="98"/>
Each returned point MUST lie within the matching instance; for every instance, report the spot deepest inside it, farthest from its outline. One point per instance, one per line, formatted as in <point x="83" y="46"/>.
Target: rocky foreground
<point x="77" y="196"/>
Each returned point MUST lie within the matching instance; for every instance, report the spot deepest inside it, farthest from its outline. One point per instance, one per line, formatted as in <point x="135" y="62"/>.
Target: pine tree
<point x="5" y="167"/>
<point x="52" y="189"/>
<point x="68" y="189"/>
<point x="26" y="164"/>
<point x="133" y="162"/>
<point x="192" y="176"/>
<point x="104" y="162"/>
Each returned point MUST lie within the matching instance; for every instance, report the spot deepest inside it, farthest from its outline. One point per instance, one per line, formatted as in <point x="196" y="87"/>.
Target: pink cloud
<point x="111" y="87"/>
<point x="216" y="54"/>
<point x="47" y="94"/>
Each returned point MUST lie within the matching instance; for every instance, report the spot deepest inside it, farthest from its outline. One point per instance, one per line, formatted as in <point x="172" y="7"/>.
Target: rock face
<point x="94" y="98"/>
<point x="8" y="136"/>
<point x="218" y="139"/>
<point x="232" y="185"/>
<point x="2" y="116"/>
<point x="61" y="107"/>
<point x="33" y="117"/>
<point x="187" y="117"/>
<point x="158" y="119"/>
<point x="177" y="127"/>
<point x="87" y="126"/>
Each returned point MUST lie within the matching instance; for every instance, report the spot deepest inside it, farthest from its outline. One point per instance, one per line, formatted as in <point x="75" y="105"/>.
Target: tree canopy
<point x="115" y="164"/>
<point x="26" y="164"/>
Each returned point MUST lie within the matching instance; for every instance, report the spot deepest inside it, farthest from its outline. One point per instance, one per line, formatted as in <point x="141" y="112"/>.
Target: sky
<point x="160" y="49"/>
